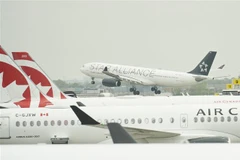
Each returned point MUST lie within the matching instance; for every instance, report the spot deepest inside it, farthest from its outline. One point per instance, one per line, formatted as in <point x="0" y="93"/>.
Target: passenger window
<point x="222" y="119"/>
<point x="66" y="122"/>
<point x="45" y="123"/>
<point x="215" y="119"/>
<point x="38" y="123"/>
<point x="24" y="123"/>
<point x="195" y="119"/>
<point x="202" y="119"/>
<point x="59" y="123"/>
<point x="153" y="120"/>
<point x="52" y="123"/>
<point x="32" y="123"/>
<point x="119" y="121"/>
<point x="160" y="120"/>
<point x="235" y="118"/>
<point x="73" y="122"/>
<point x="146" y="120"/>
<point x="171" y="120"/>
<point x="184" y="120"/>
<point x="132" y="120"/>
<point x="126" y="121"/>
<point x="209" y="119"/>
<point x="17" y="123"/>
<point x="139" y="120"/>
<point x="229" y="119"/>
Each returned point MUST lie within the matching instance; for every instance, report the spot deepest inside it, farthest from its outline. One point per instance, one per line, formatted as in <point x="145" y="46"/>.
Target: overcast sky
<point x="62" y="36"/>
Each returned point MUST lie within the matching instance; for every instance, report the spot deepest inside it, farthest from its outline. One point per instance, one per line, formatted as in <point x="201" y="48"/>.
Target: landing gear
<point x="134" y="90"/>
<point x="92" y="82"/>
<point x="155" y="89"/>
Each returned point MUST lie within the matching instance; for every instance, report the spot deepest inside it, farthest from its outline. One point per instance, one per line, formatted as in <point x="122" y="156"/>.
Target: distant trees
<point x="205" y="88"/>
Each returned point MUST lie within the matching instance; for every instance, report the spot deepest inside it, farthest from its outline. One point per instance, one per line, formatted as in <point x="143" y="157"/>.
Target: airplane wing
<point x="122" y="78"/>
<point x="134" y="132"/>
<point x="138" y="134"/>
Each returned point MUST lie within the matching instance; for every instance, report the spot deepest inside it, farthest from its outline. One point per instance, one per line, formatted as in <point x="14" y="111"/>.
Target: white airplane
<point x="113" y="74"/>
<point x="215" y="123"/>
<point x="47" y="86"/>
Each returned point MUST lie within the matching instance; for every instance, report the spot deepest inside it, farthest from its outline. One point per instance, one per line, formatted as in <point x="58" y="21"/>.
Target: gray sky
<point x="62" y="36"/>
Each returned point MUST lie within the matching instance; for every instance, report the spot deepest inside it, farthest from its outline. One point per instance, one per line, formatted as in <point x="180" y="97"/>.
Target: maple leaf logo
<point x="15" y="84"/>
<point x="39" y="80"/>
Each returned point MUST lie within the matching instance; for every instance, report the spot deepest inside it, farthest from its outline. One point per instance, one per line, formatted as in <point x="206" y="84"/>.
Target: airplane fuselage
<point x="147" y="76"/>
<point x="190" y="121"/>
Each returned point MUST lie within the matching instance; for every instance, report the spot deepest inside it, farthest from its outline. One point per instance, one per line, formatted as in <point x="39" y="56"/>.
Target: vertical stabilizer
<point x="20" y="88"/>
<point x="37" y="75"/>
<point x="205" y="64"/>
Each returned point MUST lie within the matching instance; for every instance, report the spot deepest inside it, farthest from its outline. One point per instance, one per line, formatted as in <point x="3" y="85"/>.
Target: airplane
<point x="113" y="74"/>
<point x="40" y="79"/>
<point x="195" y="123"/>
<point x="170" y="124"/>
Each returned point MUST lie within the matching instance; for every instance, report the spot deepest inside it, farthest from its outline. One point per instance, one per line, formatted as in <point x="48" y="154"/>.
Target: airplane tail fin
<point x="205" y="64"/>
<point x="37" y="75"/>
<point x="17" y="85"/>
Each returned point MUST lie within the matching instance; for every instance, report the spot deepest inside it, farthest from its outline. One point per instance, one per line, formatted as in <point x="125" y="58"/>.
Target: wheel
<point x="134" y="92"/>
<point x="132" y="89"/>
<point x="153" y="89"/>
<point x="137" y="92"/>
<point x="92" y="82"/>
<point x="158" y="92"/>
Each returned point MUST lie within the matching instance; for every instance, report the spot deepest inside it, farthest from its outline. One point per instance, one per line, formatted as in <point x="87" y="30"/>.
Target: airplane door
<point x="184" y="120"/>
<point x="4" y="128"/>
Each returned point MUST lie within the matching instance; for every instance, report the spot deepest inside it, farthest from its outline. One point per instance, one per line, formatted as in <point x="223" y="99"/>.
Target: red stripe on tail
<point x="21" y="56"/>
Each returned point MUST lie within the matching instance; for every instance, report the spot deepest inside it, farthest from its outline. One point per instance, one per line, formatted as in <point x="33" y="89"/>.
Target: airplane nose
<point x="82" y="69"/>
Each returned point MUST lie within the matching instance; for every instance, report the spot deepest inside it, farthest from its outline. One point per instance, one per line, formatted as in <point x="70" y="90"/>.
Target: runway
<point x="120" y="151"/>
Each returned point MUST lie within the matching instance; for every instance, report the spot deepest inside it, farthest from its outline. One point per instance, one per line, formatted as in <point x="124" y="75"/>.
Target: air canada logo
<point x="16" y="84"/>
<point x="39" y="79"/>
<point x="203" y="67"/>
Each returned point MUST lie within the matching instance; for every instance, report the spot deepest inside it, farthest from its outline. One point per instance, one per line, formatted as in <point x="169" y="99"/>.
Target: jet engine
<point x="109" y="82"/>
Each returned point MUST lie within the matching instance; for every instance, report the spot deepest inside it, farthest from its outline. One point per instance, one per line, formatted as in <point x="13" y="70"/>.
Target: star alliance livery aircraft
<point x="114" y="74"/>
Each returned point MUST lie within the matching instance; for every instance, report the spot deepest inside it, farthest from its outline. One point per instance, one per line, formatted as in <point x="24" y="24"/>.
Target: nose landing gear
<point x="92" y="82"/>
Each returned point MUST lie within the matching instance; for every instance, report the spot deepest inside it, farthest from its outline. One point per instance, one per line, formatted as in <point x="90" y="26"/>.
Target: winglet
<point x="118" y="134"/>
<point x="83" y="117"/>
<point x="222" y="66"/>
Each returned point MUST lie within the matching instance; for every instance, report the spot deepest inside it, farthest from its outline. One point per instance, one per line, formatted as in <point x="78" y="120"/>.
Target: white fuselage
<point x="133" y="100"/>
<point x="148" y="76"/>
<point x="190" y="121"/>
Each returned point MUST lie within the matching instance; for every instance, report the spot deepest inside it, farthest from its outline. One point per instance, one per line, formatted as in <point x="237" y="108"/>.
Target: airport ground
<point x="120" y="151"/>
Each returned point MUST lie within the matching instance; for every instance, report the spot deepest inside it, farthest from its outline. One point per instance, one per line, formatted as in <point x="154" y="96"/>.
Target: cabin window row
<point x="45" y="123"/>
<point x="216" y="119"/>
<point x="135" y="121"/>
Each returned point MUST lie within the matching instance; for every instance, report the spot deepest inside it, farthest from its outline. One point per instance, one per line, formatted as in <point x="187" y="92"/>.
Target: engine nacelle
<point x="109" y="82"/>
